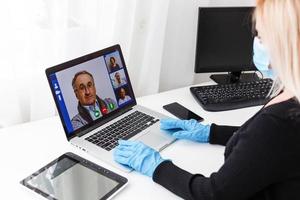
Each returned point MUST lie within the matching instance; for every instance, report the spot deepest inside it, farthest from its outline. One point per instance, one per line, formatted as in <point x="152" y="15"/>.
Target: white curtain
<point x="37" y="34"/>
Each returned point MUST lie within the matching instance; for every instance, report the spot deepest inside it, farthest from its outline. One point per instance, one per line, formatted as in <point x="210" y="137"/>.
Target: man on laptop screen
<point x="90" y="106"/>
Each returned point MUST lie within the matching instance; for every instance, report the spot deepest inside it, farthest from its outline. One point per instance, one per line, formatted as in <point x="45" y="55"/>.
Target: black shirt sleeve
<point x="256" y="161"/>
<point x="221" y="134"/>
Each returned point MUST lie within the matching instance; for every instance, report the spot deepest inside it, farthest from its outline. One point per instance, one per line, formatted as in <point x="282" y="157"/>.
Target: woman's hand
<point x="188" y="129"/>
<point x="137" y="156"/>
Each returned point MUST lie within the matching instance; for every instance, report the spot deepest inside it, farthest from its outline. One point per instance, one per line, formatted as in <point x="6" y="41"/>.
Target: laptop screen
<point x="90" y="88"/>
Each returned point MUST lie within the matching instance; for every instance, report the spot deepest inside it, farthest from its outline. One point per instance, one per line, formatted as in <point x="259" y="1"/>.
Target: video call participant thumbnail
<point x="113" y="65"/>
<point x="118" y="80"/>
<point x="123" y="97"/>
<point x="90" y="106"/>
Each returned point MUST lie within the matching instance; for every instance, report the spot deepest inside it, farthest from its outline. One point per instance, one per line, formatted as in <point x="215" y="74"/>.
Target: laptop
<point x="97" y="106"/>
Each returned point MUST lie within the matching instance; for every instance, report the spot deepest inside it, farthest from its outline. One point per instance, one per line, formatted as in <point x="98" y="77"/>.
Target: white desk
<point x="27" y="147"/>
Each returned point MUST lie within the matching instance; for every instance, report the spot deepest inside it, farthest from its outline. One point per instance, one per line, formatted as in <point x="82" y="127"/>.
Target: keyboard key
<point x="132" y="134"/>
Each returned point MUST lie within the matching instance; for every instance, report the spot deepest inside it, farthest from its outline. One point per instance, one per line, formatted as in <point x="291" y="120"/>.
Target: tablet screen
<point x="69" y="179"/>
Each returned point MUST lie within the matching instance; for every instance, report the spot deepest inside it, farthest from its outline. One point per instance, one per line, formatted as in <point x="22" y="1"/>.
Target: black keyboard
<point x="124" y="128"/>
<point x="232" y="96"/>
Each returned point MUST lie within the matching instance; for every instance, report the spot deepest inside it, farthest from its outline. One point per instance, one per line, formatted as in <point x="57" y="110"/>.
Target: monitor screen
<point x="91" y="90"/>
<point x="224" y="40"/>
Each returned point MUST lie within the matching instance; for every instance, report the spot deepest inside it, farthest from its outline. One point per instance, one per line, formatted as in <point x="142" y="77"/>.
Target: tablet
<point x="71" y="177"/>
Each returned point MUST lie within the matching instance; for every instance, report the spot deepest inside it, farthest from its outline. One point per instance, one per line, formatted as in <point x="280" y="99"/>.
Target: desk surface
<point x="27" y="147"/>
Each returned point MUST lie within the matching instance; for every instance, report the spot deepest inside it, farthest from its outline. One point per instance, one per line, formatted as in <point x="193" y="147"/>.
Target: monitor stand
<point x="234" y="77"/>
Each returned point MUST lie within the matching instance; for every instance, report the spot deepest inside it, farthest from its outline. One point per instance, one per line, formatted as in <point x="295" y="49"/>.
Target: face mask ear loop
<point x="261" y="74"/>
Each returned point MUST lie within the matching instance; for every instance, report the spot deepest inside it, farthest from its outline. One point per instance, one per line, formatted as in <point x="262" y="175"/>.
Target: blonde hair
<point x="279" y="29"/>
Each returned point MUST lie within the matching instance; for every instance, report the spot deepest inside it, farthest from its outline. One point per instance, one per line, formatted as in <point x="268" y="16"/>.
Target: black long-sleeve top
<point x="262" y="160"/>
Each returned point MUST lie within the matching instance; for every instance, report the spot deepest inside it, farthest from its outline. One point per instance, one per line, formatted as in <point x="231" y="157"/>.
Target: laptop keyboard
<point x="124" y="128"/>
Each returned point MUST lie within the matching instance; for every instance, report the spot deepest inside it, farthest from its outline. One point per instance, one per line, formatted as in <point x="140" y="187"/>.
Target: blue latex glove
<point x="138" y="156"/>
<point x="188" y="129"/>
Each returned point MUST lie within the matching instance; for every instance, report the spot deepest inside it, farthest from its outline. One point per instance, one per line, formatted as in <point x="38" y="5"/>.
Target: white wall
<point x="180" y="41"/>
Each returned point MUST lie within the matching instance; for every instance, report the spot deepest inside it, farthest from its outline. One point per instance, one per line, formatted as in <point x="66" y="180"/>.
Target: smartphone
<point x="181" y="112"/>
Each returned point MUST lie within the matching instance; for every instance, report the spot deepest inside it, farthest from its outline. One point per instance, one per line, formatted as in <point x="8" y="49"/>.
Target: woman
<point x="262" y="158"/>
<point x="114" y="66"/>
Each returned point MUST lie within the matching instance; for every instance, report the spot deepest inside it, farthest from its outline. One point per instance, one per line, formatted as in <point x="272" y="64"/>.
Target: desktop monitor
<point x="225" y="43"/>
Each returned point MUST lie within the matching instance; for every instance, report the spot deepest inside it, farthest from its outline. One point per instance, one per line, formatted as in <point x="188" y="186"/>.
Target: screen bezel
<point x="219" y="68"/>
<point x="121" y="181"/>
<point x="96" y="123"/>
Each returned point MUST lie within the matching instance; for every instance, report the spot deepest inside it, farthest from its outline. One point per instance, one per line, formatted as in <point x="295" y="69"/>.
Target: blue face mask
<point x="261" y="58"/>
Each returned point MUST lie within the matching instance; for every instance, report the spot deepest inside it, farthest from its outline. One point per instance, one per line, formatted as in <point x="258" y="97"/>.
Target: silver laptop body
<point x="95" y="128"/>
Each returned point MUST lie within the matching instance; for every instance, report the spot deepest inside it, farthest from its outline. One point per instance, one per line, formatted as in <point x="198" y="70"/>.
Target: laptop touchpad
<point x="154" y="140"/>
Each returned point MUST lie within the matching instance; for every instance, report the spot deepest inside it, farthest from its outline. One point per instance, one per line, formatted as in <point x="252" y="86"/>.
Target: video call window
<point x="87" y="92"/>
<point x="123" y="95"/>
<point x="113" y="62"/>
<point x="118" y="78"/>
